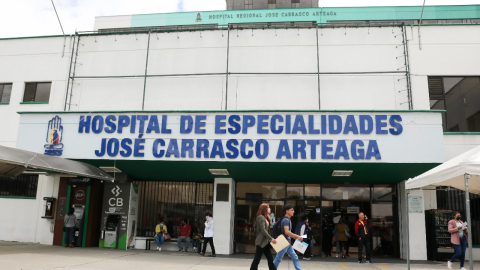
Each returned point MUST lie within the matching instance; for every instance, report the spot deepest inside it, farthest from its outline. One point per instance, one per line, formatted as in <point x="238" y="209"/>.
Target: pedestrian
<point x="70" y="221"/>
<point x="336" y="242"/>
<point x="286" y="227"/>
<point x="303" y="228"/>
<point x="342" y="238"/>
<point x="263" y="238"/>
<point x="351" y="229"/>
<point x="459" y="239"/>
<point x="362" y="231"/>
<point x="195" y="240"/>
<point x="327" y="228"/>
<point x="160" y="231"/>
<point x="208" y="235"/>
<point x="183" y="235"/>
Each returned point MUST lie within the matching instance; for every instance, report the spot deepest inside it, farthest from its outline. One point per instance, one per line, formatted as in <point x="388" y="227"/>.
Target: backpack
<point x="277" y="229"/>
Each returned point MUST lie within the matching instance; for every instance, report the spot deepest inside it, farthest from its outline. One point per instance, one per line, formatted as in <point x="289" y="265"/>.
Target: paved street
<point x="24" y="256"/>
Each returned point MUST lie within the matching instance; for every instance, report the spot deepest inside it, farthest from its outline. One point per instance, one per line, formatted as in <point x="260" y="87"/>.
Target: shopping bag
<point x="300" y="246"/>
<point x="347" y="234"/>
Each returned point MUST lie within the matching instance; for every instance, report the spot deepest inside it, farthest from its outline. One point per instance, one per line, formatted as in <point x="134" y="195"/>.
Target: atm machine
<point x="80" y="214"/>
<point x="111" y="231"/>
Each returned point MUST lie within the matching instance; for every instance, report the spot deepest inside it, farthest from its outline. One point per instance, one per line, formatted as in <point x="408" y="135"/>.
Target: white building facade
<point x="304" y="75"/>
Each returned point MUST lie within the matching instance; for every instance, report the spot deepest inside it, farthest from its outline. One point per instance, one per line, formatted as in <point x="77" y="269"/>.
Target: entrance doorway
<point x="378" y="202"/>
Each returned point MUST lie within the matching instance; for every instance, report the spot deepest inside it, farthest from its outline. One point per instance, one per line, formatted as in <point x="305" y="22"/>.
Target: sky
<point x="23" y="18"/>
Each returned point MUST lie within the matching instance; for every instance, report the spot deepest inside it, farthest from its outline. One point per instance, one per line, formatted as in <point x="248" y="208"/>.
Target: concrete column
<point x="418" y="240"/>
<point x="224" y="218"/>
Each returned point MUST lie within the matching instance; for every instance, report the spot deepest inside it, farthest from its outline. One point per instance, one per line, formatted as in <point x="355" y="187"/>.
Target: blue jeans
<point x="179" y="242"/>
<point x="69" y="232"/>
<point x="460" y="251"/>
<point x="292" y="254"/>
<point x="195" y="242"/>
<point x="159" y="239"/>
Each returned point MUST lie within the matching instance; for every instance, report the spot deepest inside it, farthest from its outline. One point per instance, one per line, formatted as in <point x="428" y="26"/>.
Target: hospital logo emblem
<point x="54" y="146"/>
<point x="199" y="17"/>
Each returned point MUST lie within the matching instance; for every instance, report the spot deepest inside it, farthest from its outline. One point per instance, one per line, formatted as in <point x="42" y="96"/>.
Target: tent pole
<point x="469" y="221"/>
<point x="408" y="230"/>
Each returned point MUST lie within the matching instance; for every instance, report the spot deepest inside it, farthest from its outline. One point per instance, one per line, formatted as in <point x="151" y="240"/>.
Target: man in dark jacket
<point x="327" y="228"/>
<point x="362" y="231"/>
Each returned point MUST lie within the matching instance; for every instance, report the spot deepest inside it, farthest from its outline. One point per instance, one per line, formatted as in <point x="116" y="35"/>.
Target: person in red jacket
<point x="362" y="231"/>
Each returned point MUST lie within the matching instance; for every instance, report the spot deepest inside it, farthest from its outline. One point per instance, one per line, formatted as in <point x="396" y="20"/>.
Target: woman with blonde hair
<point x="263" y="238"/>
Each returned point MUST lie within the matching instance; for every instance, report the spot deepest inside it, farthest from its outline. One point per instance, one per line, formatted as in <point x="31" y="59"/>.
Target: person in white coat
<point x="208" y="235"/>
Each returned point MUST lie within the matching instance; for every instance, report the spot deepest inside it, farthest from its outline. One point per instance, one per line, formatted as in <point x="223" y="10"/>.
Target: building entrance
<point x="319" y="203"/>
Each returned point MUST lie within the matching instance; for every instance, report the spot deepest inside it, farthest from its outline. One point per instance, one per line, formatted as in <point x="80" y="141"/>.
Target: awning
<point x="451" y="173"/>
<point x="15" y="161"/>
<point x="461" y="172"/>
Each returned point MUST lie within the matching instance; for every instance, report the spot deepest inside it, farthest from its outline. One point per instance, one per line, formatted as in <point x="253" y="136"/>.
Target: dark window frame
<point x="437" y="92"/>
<point x="23" y="186"/>
<point x="2" y="92"/>
<point x="30" y="92"/>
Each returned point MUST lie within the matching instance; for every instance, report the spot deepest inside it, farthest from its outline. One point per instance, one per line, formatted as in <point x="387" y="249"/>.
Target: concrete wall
<point x="32" y="60"/>
<point x="445" y="51"/>
<point x="21" y="218"/>
<point x="187" y="70"/>
<point x="457" y="144"/>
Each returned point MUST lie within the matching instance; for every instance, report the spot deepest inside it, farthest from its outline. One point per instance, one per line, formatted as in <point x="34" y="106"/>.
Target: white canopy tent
<point x="453" y="173"/>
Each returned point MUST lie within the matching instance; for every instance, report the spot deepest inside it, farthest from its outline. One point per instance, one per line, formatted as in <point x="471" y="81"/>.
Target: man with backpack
<point x="284" y="226"/>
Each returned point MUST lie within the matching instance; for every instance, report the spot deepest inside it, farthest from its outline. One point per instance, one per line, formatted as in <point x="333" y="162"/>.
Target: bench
<point x="170" y="244"/>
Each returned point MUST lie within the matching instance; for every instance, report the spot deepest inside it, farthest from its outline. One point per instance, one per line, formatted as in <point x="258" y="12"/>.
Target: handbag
<point x="347" y="234"/>
<point x="167" y="236"/>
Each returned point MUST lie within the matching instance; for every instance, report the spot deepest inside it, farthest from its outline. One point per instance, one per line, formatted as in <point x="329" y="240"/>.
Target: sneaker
<point x="368" y="261"/>
<point x="450" y="264"/>
<point x="307" y="259"/>
<point x="184" y="250"/>
<point x="194" y="249"/>
<point x="337" y="256"/>
<point x="463" y="268"/>
<point x="213" y="255"/>
<point x="201" y="254"/>
<point x="359" y="261"/>
<point x="159" y="249"/>
<point x="180" y="250"/>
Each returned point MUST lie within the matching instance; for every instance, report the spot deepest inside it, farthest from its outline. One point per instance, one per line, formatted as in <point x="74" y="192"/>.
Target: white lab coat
<point x="209" y="228"/>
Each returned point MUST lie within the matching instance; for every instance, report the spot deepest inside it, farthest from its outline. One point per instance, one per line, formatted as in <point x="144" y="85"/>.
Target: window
<point x="345" y="192"/>
<point x="24" y="185"/>
<point x="171" y="202"/>
<point x="5" y="93"/>
<point x="37" y="92"/>
<point x="260" y="191"/>
<point x="460" y="97"/>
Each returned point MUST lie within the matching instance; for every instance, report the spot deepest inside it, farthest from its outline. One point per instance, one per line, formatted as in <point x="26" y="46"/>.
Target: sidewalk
<point x="25" y="256"/>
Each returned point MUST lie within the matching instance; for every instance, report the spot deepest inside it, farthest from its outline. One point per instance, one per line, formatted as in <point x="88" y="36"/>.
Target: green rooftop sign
<point x="319" y="15"/>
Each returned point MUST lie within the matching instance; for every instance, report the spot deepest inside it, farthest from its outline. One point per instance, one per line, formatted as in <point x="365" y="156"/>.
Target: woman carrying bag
<point x="263" y="238"/>
<point x="459" y="240"/>
<point x="70" y="220"/>
<point x="343" y="233"/>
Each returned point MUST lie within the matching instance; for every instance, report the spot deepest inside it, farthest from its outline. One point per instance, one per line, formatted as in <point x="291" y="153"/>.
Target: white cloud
<point x="20" y="18"/>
